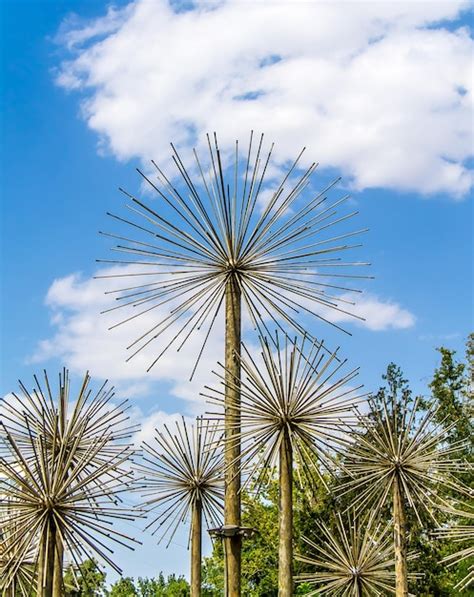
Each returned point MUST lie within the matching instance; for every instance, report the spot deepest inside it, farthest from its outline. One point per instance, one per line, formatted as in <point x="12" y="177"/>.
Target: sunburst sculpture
<point x="184" y="479"/>
<point x="295" y="406"/>
<point x="463" y="534"/>
<point x="63" y="473"/>
<point x="228" y="238"/>
<point x="24" y="576"/>
<point x="74" y="422"/>
<point x="353" y="559"/>
<point x="400" y="455"/>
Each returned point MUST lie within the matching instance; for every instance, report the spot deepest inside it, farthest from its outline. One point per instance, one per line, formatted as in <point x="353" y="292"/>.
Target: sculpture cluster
<point x="227" y="241"/>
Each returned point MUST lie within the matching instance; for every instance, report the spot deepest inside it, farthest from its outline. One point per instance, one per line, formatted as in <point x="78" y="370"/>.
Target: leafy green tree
<point x="452" y="391"/>
<point x="87" y="581"/>
<point x="172" y="586"/>
<point x="124" y="587"/>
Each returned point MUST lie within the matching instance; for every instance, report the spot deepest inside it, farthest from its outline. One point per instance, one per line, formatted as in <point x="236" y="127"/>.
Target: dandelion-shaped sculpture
<point x="464" y="534"/>
<point x="353" y="559"/>
<point x="63" y="471"/>
<point x="295" y="405"/>
<point x="400" y="454"/>
<point x="24" y="577"/>
<point x="213" y="242"/>
<point x="184" y="478"/>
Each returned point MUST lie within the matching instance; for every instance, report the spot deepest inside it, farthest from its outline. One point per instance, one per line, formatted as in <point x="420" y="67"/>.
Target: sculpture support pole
<point x="285" y="551"/>
<point x="196" y="548"/>
<point x="401" y="579"/>
<point x="58" y="568"/>
<point x="46" y="560"/>
<point x="232" y="547"/>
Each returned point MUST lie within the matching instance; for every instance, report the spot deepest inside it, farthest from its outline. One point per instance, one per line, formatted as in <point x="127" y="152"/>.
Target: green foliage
<point x="159" y="587"/>
<point x="151" y="587"/>
<point x="91" y="583"/>
<point x="87" y="581"/>
<point x="124" y="587"/>
<point x="451" y="388"/>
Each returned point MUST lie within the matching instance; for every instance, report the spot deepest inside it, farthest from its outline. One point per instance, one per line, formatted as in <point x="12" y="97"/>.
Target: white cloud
<point x="379" y="314"/>
<point x="380" y="90"/>
<point x="156" y="420"/>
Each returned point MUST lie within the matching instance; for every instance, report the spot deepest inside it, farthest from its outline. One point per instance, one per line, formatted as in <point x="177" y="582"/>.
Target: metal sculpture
<point x="184" y="478"/>
<point x="400" y="454"/>
<point x="295" y="405"/>
<point x="464" y="534"/>
<point x="354" y="558"/>
<point x="212" y="242"/>
<point x="22" y="580"/>
<point x="64" y="467"/>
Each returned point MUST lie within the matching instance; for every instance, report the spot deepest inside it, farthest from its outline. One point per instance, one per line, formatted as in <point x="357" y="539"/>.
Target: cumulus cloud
<point x="378" y="314"/>
<point x="156" y="420"/>
<point x="380" y="90"/>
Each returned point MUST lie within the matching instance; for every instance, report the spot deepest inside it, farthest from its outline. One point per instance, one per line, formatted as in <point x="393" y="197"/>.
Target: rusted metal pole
<point x="401" y="578"/>
<point x="196" y="548"/>
<point x="232" y="547"/>
<point x="285" y="551"/>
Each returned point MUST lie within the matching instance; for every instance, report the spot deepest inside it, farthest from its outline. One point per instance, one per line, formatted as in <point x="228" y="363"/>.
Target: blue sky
<point x="388" y="109"/>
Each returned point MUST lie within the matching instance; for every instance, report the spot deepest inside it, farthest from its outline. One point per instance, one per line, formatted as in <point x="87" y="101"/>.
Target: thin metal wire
<point x="24" y="577"/>
<point x="464" y="534"/>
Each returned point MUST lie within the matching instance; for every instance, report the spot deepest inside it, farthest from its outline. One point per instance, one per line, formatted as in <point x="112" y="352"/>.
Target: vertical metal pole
<point x="58" y="568"/>
<point x="46" y="561"/>
<point x="401" y="579"/>
<point x="196" y="548"/>
<point x="285" y="551"/>
<point x="232" y="547"/>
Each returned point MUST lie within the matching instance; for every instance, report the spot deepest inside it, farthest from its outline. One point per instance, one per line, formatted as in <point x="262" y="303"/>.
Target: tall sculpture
<point x="64" y="466"/>
<point x="224" y="237"/>
<point x="183" y="477"/>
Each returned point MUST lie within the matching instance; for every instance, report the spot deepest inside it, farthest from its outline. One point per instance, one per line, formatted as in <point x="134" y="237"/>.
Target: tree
<point x="452" y="394"/>
<point x="172" y="586"/>
<point x="124" y="587"/>
<point x="85" y="581"/>
<point x="452" y="390"/>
